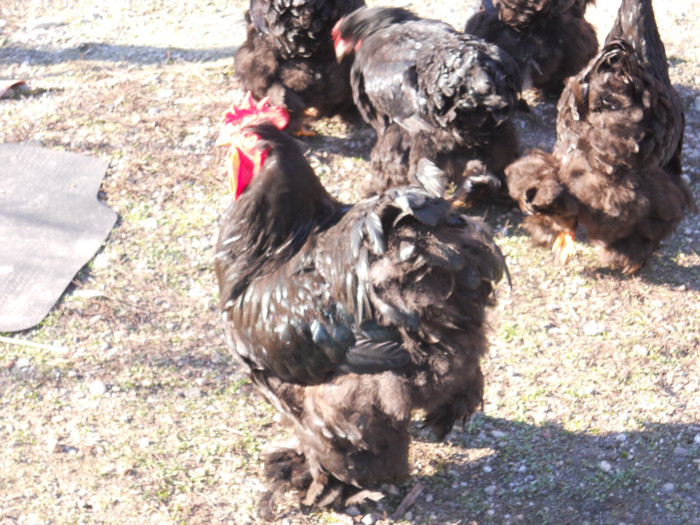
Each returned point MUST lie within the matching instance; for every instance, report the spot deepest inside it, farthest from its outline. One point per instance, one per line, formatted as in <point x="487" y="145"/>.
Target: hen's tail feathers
<point x="433" y="179"/>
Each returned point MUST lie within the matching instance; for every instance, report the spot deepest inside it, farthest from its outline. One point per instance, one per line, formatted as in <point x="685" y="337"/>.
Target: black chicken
<point x="288" y="56"/>
<point x="616" y="165"/>
<point x="430" y="92"/>
<point x="549" y="39"/>
<point x="347" y="317"/>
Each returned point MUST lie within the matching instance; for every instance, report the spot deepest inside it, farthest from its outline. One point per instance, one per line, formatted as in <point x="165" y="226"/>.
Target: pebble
<point x="428" y="498"/>
<point x="696" y="439"/>
<point x="640" y="350"/>
<point x="605" y="466"/>
<point x="22" y="362"/>
<point x="498" y="434"/>
<point x="592" y="328"/>
<point x="97" y="388"/>
<point x="352" y="511"/>
<point x="368" y="519"/>
<point x="52" y="445"/>
<point x="621" y="438"/>
<point x="681" y="451"/>
<point x="668" y="487"/>
<point x="491" y="489"/>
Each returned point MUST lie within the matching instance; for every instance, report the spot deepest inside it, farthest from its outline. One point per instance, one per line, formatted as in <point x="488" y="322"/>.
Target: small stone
<point x="408" y="516"/>
<point x="107" y="470"/>
<point x="681" y="451"/>
<point x="490" y="512"/>
<point x="640" y="350"/>
<point x="605" y="466"/>
<point x="392" y="489"/>
<point x="144" y="442"/>
<point x="592" y="328"/>
<point x="498" y="434"/>
<point x="22" y="362"/>
<point x="353" y="511"/>
<point x="52" y="445"/>
<point x="428" y="498"/>
<point x="491" y="489"/>
<point x="522" y="469"/>
<point x="97" y="388"/>
<point x="101" y="261"/>
<point x="150" y="223"/>
<point x="668" y="487"/>
<point x="487" y="469"/>
<point x="125" y="469"/>
<point x="368" y="519"/>
<point x="696" y="439"/>
<point x="621" y="438"/>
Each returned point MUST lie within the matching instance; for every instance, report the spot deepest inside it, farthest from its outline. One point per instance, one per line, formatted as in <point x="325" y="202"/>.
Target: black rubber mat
<point x="51" y="225"/>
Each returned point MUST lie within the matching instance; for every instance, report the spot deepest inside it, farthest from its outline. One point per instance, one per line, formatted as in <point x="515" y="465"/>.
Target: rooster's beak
<point x="234" y="164"/>
<point x="342" y="48"/>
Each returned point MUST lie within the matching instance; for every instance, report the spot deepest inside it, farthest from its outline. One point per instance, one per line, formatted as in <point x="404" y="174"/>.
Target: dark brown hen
<point x="347" y="318"/>
<point x="549" y="39"/>
<point x="616" y="166"/>
<point x="430" y="92"/>
<point x="288" y="56"/>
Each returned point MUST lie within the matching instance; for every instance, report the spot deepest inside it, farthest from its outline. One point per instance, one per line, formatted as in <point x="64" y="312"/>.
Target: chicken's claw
<point x="564" y="246"/>
<point x="304" y="131"/>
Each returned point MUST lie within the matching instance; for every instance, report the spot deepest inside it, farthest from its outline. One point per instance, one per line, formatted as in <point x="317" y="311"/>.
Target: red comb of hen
<point x="244" y="160"/>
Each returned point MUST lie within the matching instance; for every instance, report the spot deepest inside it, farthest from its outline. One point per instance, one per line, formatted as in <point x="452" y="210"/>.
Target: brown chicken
<point x="616" y="166"/>
<point x="347" y="318"/>
<point x="549" y="39"/>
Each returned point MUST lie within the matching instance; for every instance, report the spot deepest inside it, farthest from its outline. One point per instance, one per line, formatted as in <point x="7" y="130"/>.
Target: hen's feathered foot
<point x="304" y="131"/>
<point x="564" y="246"/>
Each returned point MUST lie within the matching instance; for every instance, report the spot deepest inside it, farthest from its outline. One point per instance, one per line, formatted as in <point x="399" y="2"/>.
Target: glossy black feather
<point x="349" y="317"/>
<point x="430" y="92"/>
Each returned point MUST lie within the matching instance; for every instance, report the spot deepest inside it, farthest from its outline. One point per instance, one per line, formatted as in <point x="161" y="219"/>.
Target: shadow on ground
<point x="95" y="51"/>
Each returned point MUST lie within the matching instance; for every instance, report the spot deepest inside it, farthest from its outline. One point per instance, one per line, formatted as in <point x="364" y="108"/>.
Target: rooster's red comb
<point x="250" y="113"/>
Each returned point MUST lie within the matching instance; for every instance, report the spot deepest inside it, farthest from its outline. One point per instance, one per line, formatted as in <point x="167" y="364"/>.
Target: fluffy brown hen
<point x="549" y="39"/>
<point x="616" y="166"/>
<point x="347" y="318"/>
<point x="430" y="92"/>
<point x="288" y="56"/>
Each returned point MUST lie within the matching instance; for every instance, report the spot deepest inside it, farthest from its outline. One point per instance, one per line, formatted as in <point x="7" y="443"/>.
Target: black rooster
<point x="288" y="56"/>
<point x="430" y="92"/>
<point x="549" y="39"/>
<point x="347" y="318"/>
<point x="616" y="166"/>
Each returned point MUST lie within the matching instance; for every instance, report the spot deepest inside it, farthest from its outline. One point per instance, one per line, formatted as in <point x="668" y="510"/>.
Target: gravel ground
<point x="123" y="405"/>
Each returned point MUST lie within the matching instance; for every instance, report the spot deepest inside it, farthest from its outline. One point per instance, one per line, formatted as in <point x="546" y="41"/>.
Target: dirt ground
<point x="123" y="405"/>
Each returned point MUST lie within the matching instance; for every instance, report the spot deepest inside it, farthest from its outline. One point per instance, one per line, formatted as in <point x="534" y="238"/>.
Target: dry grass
<point x="137" y="414"/>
